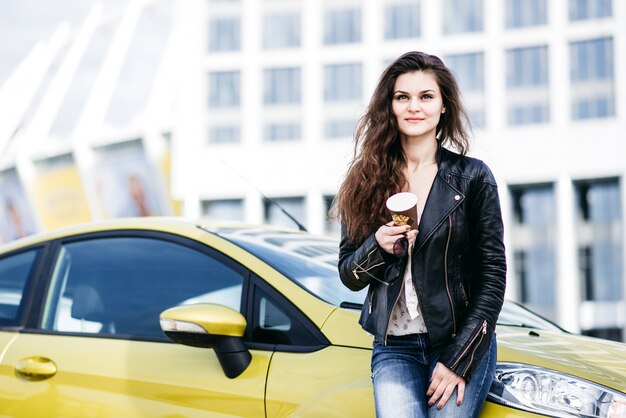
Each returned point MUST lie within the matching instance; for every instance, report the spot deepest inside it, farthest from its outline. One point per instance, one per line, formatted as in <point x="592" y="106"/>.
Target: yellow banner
<point x="59" y="198"/>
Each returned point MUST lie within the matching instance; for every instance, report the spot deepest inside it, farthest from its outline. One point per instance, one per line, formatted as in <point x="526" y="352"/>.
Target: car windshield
<point x="308" y="260"/>
<point x="311" y="262"/>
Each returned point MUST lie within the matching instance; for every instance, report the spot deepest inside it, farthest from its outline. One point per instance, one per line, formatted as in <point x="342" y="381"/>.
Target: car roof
<point x="154" y="223"/>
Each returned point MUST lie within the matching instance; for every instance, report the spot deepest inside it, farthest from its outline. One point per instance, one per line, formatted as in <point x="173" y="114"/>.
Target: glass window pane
<point x="339" y="128"/>
<point x="14" y="273"/>
<point x="469" y="70"/>
<point x="527" y="85"/>
<point x="520" y="13"/>
<point x="225" y="134"/>
<point x="121" y="285"/>
<point x="292" y="205"/>
<point x="281" y="86"/>
<point x="342" y="26"/>
<point x="281" y="31"/>
<point x="533" y="236"/>
<point x="342" y="82"/>
<point x="599" y="214"/>
<point x="224" y="89"/>
<point x="273" y="323"/>
<point x="332" y="226"/>
<point x="460" y="16"/>
<point x="282" y="132"/>
<point x="591" y="78"/>
<point x="225" y="209"/>
<point x="590" y="9"/>
<point x="225" y="34"/>
<point x="402" y="20"/>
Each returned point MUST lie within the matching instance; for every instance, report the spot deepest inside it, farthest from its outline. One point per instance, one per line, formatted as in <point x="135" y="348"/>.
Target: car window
<point x="15" y="270"/>
<point x="308" y="260"/>
<point x="519" y="316"/>
<point x="278" y="323"/>
<point x="121" y="285"/>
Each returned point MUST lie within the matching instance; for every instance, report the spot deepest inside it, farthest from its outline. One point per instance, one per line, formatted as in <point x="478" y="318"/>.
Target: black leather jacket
<point x="458" y="265"/>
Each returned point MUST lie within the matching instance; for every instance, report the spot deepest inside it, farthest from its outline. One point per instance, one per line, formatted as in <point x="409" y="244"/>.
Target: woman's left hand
<point x="442" y="384"/>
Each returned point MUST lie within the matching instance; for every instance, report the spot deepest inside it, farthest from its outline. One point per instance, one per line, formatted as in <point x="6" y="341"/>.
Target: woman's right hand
<point x="388" y="234"/>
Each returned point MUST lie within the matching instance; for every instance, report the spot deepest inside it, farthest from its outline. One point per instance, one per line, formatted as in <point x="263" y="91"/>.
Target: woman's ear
<point x="443" y="110"/>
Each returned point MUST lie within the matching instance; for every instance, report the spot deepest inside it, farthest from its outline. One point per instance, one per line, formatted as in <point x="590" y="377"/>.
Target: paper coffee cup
<point x="403" y="208"/>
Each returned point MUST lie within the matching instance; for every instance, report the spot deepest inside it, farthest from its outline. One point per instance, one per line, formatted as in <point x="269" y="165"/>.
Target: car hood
<point x="594" y="359"/>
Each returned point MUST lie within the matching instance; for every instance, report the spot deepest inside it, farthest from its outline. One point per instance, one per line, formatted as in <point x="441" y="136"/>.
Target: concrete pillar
<point x="567" y="281"/>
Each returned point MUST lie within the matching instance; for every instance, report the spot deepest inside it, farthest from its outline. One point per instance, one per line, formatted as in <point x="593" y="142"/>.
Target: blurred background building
<point x="200" y="108"/>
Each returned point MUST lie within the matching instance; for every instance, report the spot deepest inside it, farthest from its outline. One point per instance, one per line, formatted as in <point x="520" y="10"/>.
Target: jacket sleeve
<point x="359" y="265"/>
<point x="488" y="279"/>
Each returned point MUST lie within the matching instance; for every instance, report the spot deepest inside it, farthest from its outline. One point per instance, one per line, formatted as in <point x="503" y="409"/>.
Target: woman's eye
<point x="427" y="97"/>
<point x="402" y="97"/>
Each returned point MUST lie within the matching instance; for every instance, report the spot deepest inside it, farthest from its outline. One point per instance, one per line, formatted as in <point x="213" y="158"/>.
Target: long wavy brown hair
<point x="376" y="170"/>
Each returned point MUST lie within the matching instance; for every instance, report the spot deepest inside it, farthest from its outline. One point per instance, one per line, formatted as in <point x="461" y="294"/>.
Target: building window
<point x="520" y="13"/>
<point x="461" y="16"/>
<point x="402" y="20"/>
<point x="342" y="26"/>
<point x="223" y="209"/>
<point x="281" y="86"/>
<point x="527" y="86"/>
<point x="342" y="82"/>
<point x="281" y="31"/>
<point x="227" y="134"/>
<point x="469" y="70"/>
<point x="599" y="227"/>
<point x="533" y="237"/>
<point x="224" y="89"/>
<point x="339" y="128"/>
<point x="591" y="76"/>
<point x="589" y="9"/>
<point x="332" y="225"/>
<point x="225" y="34"/>
<point x="294" y="206"/>
<point x="282" y="132"/>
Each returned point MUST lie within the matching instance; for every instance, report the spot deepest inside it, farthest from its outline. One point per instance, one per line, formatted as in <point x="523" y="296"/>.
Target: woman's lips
<point x="414" y="119"/>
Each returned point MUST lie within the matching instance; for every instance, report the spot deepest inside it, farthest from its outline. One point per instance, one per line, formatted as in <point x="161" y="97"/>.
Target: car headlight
<point x="549" y="392"/>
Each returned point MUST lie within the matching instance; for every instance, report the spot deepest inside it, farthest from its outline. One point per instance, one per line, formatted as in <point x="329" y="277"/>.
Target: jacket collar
<point x="442" y="199"/>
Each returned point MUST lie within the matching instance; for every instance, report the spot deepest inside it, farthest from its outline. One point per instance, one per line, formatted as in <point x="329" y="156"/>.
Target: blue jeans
<point x="401" y="374"/>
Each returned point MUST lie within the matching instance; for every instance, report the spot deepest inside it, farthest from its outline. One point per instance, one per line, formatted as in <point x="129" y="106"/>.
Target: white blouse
<point x="406" y="315"/>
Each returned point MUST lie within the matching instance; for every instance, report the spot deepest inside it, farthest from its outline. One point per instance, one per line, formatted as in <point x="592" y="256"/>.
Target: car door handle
<point x="35" y="369"/>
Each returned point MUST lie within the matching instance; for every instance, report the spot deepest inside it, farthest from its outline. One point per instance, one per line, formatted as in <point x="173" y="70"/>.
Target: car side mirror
<point x="209" y="325"/>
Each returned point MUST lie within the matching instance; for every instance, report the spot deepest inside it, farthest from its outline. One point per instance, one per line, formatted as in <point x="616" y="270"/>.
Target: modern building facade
<point x="260" y="99"/>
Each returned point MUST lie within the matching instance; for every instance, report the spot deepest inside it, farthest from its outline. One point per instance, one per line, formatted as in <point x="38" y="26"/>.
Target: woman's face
<point x="417" y="104"/>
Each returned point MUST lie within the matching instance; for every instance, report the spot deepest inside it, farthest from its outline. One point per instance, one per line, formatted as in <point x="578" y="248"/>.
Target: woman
<point x="434" y="293"/>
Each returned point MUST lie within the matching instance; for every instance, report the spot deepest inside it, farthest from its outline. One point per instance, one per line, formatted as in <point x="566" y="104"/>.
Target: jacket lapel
<point x="442" y="200"/>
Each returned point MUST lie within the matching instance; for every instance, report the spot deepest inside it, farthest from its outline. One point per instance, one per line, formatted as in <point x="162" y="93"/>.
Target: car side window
<point x="120" y="285"/>
<point x="15" y="269"/>
<point x="278" y="323"/>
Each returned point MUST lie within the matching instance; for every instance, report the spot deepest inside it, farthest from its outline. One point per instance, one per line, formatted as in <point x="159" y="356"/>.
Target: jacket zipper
<point x="481" y="332"/>
<point x="445" y="269"/>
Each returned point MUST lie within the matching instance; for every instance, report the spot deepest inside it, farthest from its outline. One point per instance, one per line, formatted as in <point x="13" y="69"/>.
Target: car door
<point x="98" y="349"/>
<point x="308" y="377"/>
<point x="17" y="270"/>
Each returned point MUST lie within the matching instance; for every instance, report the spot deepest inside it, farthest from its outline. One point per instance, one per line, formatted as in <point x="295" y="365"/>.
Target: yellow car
<point x="261" y="324"/>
